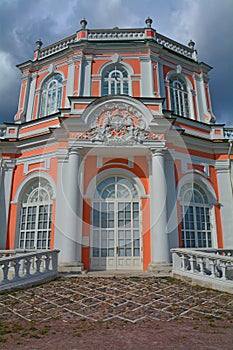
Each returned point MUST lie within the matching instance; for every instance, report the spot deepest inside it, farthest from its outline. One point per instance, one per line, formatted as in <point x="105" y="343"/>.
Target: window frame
<point x="194" y="208"/>
<point x="35" y="216"/>
<point x="52" y="88"/>
<point x="118" y="84"/>
<point x="121" y="194"/>
<point x="179" y="95"/>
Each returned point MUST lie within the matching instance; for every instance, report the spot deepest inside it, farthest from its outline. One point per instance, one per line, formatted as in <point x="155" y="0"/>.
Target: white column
<point x="226" y="200"/>
<point x="74" y="220"/>
<point x="158" y="210"/>
<point x="68" y="233"/>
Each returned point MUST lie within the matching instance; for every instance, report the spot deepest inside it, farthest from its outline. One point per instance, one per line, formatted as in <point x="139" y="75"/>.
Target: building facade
<point x="115" y="156"/>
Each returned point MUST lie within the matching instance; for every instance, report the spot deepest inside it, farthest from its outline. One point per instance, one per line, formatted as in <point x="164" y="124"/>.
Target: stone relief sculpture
<point x="118" y="124"/>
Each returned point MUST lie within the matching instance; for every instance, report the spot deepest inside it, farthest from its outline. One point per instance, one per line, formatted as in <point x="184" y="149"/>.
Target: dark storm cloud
<point x="208" y="22"/>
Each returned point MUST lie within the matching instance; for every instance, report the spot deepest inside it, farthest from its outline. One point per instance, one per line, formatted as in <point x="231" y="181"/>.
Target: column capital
<point x="222" y="165"/>
<point x="62" y="155"/>
<point x="8" y="164"/>
<point x="158" y="151"/>
<point x="75" y="150"/>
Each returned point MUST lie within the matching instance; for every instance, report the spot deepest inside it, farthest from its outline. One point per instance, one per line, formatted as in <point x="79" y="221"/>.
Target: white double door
<point x="116" y="235"/>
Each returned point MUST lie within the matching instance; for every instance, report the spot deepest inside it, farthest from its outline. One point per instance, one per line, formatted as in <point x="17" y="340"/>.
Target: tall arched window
<point x="51" y="96"/>
<point x="35" y="216"/>
<point x="115" y="80"/>
<point x="195" y="214"/>
<point x="179" y="95"/>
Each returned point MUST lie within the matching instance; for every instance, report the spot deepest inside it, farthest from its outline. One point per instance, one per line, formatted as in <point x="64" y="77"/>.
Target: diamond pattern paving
<point x="123" y="298"/>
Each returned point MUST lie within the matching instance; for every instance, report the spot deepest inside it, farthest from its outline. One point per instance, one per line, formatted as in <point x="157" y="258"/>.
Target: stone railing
<point x="7" y="253"/>
<point x="117" y="34"/>
<point x="228" y="133"/>
<point x="59" y="46"/>
<point x="207" y="267"/>
<point x="174" y="46"/>
<point x="22" y="269"/>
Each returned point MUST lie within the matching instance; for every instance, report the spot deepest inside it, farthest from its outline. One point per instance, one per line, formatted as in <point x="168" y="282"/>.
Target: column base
<point x="160" y="268"/>
<point x="71" y="267"/>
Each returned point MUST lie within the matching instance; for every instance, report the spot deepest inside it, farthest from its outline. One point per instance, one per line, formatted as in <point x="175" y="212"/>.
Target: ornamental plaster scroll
<point x="118" y="124"/>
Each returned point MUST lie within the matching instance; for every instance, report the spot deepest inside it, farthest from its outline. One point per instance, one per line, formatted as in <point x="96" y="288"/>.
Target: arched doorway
<point x="116" y="225"/>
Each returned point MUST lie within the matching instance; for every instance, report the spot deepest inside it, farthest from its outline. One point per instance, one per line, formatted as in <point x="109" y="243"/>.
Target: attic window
<point x="115" y="80"/>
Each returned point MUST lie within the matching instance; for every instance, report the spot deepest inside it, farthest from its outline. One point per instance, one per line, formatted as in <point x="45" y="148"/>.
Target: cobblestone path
<point x="116" y="298"/>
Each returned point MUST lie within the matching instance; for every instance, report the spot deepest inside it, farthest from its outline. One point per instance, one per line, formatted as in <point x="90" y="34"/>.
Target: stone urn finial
<point x="38" y="44"/>
<point x="148" y="22"/>
<point x="191" y="44"/>
<point x="83" y="23"/>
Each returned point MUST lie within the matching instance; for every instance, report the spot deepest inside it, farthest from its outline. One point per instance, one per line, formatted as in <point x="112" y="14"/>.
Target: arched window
<point x="51" y="96"/>
<point x="35" y="216"/>
<point x="195" y="214"/>
<point x="179" y="95"/>
<point x="115" y="80"/>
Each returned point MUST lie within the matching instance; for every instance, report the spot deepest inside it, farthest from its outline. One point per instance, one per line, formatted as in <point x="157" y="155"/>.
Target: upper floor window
<point x="115" y="80"/>
<point x="51" y="96"/>
<point x="179" y="95"/>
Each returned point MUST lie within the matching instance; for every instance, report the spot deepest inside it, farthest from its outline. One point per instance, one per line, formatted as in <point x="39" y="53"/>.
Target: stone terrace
<point x="116" y="298"/>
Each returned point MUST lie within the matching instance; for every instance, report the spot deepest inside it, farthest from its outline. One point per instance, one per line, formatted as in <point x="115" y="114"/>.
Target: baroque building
<point x="115" y="156"/>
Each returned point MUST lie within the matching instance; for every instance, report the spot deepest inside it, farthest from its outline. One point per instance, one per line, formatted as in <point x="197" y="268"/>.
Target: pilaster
<point x="172" y="222"/>
<point x="70" y="82"/>
<point x="146" y="76"/>
<point x="226" y="200"/>
<point x="87" y="75"/>
<point x="31" y="97"/>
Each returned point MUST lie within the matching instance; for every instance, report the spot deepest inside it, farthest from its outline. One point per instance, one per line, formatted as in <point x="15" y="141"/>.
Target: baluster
<point x="183" y="262"/>
<point x="47" y="262"/>
<point x="212" y="266"/>
<point x="201" y="266"/>
<point x="224" y="268"/>
<point x="17" y="267"/>
<point x="28" y="266"/>
<point x="5" y="269"/>
<point x="191" y="260"/>
<point x="38" y="264"/>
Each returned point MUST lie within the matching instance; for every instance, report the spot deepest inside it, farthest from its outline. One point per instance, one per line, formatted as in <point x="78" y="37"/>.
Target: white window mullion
<point x="36" y="226"/>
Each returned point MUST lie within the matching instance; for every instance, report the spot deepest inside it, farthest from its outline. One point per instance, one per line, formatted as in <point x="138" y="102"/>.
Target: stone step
<point x="160" y="269"/>
<point x="75" y="267"/>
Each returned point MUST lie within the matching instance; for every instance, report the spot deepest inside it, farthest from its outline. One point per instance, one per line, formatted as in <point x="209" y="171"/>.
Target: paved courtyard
<point x="118" y="297"/>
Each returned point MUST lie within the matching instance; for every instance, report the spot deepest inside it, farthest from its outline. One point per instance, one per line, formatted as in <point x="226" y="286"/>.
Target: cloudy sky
<point x="208" y="22"/>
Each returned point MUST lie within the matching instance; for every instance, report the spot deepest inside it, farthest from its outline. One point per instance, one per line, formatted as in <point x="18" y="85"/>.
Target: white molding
<point x="29" y="178"/>
<point x="91" y="110"/>
<point x="196" y="178"/>
<point x="39" y="159"/>
<point x="116" y="172"/>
